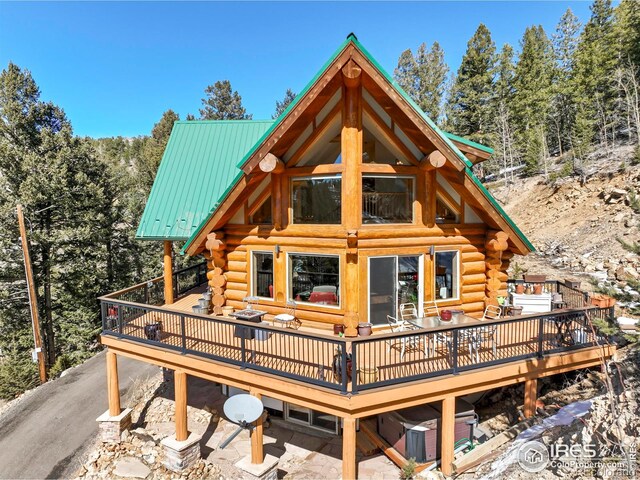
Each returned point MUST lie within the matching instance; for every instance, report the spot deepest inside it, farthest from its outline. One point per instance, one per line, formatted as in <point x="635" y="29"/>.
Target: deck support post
<point x="257" y="445"/>
<point x="113" y="386"/>
<point x="181" y="450"/>
<point x="180" y="385"/>
<point x="168" y="272"/>
<point x="530" y="397"/>
<point x="115" y="420"/>
<point x="349" y="448"/>
<point x="447" y="434"/>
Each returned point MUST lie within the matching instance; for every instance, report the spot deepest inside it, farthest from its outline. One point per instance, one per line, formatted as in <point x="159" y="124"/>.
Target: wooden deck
<point x="313" y="355"/>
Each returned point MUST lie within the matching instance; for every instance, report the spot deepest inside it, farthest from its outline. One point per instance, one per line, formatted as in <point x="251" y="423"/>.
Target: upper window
<point x="387" y="199"/>
<point x="262" y="216"/>
<point x="316" y="200"/>
<point x="379" y="147"/>
<point x="446" y="275"/>
<point x="262" y="274"/>
<point x="445" y="212"/>
<point x="314" y="278"/>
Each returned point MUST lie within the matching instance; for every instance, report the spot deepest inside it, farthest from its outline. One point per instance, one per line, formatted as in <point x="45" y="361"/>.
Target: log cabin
<point x="349" y="206"/>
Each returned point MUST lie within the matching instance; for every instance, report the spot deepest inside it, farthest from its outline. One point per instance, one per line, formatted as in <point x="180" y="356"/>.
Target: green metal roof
<point x="197" y="169"/>
<point x="471" y="143"/>
<point x="203" y="161"/>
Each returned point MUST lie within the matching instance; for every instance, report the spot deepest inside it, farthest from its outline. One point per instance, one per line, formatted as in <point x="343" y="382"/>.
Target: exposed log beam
<point x="432" y="161"/>
<point x="271" y="164"/>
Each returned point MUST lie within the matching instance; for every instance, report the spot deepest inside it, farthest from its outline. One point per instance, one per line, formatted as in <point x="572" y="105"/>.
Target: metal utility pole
<point x="33" y="299"/>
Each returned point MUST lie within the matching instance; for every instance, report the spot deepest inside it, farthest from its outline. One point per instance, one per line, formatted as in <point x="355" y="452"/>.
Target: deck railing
<point x="352" y="365"/>
<point x="151" y="292"/>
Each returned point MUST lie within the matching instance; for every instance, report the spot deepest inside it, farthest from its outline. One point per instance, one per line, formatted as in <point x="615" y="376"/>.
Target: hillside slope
<point x="574" y="223"/>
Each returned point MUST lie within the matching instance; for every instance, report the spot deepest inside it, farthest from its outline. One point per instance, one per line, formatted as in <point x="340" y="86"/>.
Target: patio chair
<point x="288" y="319"/>
<point x="405" y="343"/>
<point x="408" y="311"/>
<point x="490" y="333"/>
<point x="439" y="338"/>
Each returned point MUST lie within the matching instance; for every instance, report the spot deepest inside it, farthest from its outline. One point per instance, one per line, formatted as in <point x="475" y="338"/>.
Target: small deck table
<point x="248" y="315"/>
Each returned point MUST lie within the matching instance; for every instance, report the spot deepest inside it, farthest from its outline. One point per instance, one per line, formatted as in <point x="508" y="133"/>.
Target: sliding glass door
<point x="393" y="280"/>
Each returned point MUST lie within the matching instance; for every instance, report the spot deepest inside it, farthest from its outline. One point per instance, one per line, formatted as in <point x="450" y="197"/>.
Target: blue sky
<point x="114" y="67"/>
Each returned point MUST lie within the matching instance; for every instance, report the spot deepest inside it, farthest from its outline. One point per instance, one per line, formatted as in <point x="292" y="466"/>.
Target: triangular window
<point x="262" y="216"/>
<point x="446" y="212"/>
<point x="324" y="150"/>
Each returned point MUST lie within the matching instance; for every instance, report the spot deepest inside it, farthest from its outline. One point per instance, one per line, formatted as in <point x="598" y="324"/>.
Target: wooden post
<point x="530" y="397"/>
<point x="447" y="434"/>
<point x="180" y="385"/>
<point x="33" y="299"/>
<point x="257" y="443"/>
<point x="168" y="272"/>
<point x="351" y="144"/>
<point x="348" y="448"/>
<point x="113" y="386"/>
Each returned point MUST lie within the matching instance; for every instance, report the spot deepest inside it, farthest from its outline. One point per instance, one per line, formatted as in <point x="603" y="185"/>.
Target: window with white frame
<point x="314" y="278"/>
<point x="447" y="276"/>
<point x="262" y="274"/>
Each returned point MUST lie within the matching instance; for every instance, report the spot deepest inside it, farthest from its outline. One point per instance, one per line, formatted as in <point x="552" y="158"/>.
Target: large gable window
<point x="387" y="199"/>
<point x="316" y="200"/>
<point x="262" y="215"/>
<point x="445" y="211"/>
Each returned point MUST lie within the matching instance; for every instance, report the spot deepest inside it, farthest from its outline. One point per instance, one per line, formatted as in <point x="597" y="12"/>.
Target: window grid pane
<point x="315" y="279"/>
<point x="263" y="274"/>
<point x="387" y="199"/>
<point x="316" y="200"/>
<point x="446" y="275"/>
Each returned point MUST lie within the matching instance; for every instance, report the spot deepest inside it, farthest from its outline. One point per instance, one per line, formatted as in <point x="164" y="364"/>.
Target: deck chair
<point x="408" y="311"/>
<point x="489" y="333"/>
<point x="405" y="343"/>
<point x="288" y="319"/>
<point x="440" y="338"/>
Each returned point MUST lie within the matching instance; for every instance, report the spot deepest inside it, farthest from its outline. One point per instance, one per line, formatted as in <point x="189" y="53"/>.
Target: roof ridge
<point x="224" y="121"/>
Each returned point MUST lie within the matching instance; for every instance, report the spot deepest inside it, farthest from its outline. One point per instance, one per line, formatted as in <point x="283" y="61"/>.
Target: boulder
<point x="130" y="467"/>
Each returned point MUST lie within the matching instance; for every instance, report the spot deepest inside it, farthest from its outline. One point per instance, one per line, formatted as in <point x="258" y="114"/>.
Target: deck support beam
<point x="180" y="385"/>
<point x="168" y="272"/>
<point x="447" y="434"/>
<point x="257" y="442"/>
<point x="113" y="386"/>
<point x="530" y="397"/>
<point x="349" y="468"/>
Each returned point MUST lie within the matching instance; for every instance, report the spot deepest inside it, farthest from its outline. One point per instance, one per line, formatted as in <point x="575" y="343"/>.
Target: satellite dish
<point x="242" y="410"/>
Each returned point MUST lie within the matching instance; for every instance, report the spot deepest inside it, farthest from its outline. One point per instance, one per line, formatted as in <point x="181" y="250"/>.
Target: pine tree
<point x="627" y="31"/>
<point x="222" y="103"/>
<point x="504" y="92"/>
<point x="593" y="84"/>
<point x="471" y="97"/>
<point x="565" y="41"/>
<point x="154" y="148"/>
<point x="432" y="74"/>
<point x="62" y="187"/>
<point x="532" y="99"/>
<point x="405" y="73"/>
<point x="281" y="106"/>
